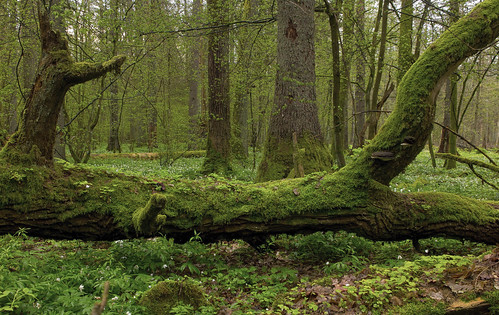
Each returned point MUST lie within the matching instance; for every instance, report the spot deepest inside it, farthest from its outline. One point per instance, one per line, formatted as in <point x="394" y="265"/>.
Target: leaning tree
<point x="70" y="201"/>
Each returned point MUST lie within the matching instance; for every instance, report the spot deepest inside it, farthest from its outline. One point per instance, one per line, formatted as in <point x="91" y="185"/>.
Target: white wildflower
<point x="81" y="287"/>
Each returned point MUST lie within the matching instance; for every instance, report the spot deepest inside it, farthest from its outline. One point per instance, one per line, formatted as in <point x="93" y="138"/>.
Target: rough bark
<point x="218" y="150"/>
<point x="69" y="201"/>
<point x="57" y="73"/>
<point x="295" y="108"/>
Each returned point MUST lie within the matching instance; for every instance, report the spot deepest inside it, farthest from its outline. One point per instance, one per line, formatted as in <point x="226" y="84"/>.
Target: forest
<point x="249" y="157"/>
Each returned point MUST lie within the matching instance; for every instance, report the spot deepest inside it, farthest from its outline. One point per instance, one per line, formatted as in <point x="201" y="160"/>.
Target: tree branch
<point x="82" y="71"/>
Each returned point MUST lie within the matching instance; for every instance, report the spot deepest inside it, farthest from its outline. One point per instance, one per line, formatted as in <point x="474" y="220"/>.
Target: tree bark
<point x="295" y="108"/>
<point x="57" y="73"/>
<point x="218" y="152"/>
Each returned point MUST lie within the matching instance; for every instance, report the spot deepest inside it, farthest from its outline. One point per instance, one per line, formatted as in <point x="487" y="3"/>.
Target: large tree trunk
<point x="69" y="201"/>
<point x="295" y="109"/>
<point x="34" y="141"/>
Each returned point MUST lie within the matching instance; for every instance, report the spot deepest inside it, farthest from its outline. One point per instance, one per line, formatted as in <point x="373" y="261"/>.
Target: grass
<point x="301" y="274"/>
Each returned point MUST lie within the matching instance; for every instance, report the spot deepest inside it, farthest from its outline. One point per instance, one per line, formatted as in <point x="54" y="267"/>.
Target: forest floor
<point x="320" y="273"/>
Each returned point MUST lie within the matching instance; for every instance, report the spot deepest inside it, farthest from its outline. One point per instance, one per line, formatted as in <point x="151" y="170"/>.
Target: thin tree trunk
<point x="218" y="152"/>
<point x="374" y="116"/>
<point x="360" y="95"/>
<point x="113" y="143"/>
<point x="193" y="81"/>
<point x="405" y="39"/>
<point x="338" y="119"/>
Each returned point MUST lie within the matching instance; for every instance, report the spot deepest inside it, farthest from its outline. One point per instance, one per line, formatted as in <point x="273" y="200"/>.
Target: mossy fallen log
<point x="77" y="202"/>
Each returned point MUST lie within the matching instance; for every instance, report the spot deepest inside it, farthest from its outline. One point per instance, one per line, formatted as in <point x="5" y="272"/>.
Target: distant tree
<point x="113" y="143"/>
<point x="218" y="152"/>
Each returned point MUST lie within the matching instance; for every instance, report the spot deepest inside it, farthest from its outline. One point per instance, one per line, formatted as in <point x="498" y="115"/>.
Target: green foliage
<point x="327" y="246"/>
<point x="493" y="299"/>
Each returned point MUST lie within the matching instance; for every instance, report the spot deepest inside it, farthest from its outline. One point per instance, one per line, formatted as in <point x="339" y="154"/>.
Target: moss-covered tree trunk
<point x="34" y="141"/>
<point x="69" y="201"/>
<point x="295" y="109"/>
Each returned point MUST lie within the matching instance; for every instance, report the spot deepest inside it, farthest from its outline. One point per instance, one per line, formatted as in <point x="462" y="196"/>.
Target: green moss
<point x="214" y="162"/>
<point x="442" y="207"/>
<point x="144" y="219"/>
<point x="165" y="295"/>
<point x="277" y="161"/>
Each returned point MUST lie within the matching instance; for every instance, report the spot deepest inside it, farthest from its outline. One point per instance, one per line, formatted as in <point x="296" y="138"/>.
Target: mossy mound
<point x="165" y="295"/>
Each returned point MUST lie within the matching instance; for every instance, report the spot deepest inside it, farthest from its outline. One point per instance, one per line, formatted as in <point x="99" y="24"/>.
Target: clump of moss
<point x="165" y="295"/>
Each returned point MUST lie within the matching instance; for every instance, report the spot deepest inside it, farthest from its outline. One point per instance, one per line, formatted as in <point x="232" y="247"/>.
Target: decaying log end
<point x="145" y="220"/>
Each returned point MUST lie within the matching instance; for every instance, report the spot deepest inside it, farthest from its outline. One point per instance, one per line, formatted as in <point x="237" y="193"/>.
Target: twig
<point x="471" y="144"/>
<point x="483" y="179"/>
<point x="99" y="306"/>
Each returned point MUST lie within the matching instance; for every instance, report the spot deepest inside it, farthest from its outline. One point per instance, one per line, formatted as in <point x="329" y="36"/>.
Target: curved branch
<point x="463" y="160"/>
<point x="415" y="105"/>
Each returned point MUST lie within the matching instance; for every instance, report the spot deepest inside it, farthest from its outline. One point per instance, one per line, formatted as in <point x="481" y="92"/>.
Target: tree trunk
<point x="34" y="141"/>
<point x="446" y="137"/>
<point x="113" y="143"/>
<point x="405" y="39"/>
<point x="193" y="82"/>
<point x="218" y="150"/>
<point x="72" y="202"/>
<point x="374" y="115"/>
<point x="338" y="121"/>
<point x="360" y="95"/>
<point x="453" y="110"/>
<point x="295" y="108"/>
